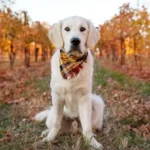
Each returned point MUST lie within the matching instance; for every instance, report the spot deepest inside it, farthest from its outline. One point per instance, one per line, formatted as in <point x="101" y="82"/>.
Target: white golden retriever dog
<point x="72" y="98"/>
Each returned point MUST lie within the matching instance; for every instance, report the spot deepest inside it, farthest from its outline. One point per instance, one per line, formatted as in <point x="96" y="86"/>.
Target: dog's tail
<point x="97" y="111"/>
<point x="42" y="115"/>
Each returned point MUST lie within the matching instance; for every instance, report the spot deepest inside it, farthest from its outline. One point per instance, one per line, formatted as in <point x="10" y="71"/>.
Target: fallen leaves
<point x="147" y="106"/>
<point x="16" y="101"/>
<point x="143" y="129"/>
<point x="107" y="129"/>
<point x="120" y="106"/>
<point x="130" y="110"/>
<point x="17" y="85"/>
<point x="136" y="131"/>
<point x="7" y="137"/>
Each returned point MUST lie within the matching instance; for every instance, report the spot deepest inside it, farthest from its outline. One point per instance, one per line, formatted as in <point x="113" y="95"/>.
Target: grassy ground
<point x="125" y="112"/>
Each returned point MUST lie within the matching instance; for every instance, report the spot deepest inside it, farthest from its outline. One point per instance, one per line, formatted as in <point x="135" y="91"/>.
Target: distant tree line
<point x="128" y="30"/>
<point x="17" y="31"/>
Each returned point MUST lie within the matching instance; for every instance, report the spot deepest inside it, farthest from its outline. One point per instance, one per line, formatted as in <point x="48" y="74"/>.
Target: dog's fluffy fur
<point x="72" y="98"/>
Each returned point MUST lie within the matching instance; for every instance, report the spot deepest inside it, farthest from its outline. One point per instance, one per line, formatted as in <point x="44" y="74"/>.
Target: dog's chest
<point x="70" y="99"/>
<point x="71" y="104"/>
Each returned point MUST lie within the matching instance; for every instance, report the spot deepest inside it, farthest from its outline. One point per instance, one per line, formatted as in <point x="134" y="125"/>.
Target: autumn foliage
<point x="19" y="36"/>
<point x="126" y="34"/>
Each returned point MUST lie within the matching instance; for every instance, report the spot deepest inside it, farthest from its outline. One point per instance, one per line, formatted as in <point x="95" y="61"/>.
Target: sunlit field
<point x="121" y="76"/>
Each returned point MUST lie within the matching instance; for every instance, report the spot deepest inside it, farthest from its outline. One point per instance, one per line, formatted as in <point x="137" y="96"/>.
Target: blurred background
<point x="124" y="28"/>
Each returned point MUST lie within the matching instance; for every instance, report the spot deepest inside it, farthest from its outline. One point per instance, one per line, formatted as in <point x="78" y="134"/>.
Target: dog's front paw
<point x="96" y="144"/>
<point x="45" y="139"/>
<point x="51" y="135"/>
<point x="44" y="133"/>
<point x="48" y="138"/>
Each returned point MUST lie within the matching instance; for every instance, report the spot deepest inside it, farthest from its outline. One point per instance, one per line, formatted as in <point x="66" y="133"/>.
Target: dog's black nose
<point x="75" y="41"/>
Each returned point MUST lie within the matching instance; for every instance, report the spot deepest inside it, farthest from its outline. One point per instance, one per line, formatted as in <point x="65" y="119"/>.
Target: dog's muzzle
<point x="75" y="45"/>
<point x="75" y="41"/>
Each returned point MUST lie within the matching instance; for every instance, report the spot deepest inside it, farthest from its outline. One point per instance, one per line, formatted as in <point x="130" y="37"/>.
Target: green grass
<point x="102" y="75"/>
<point x="133" y="121"/>
<point x="135" y="140"/>
<point x="5" y="119"/>
<point x="25" y="134"/>
<point x="146" y="89"/>
<point x="120" y="78"/>
<point x="42" y="84"/>
<point x="22" y="134"/>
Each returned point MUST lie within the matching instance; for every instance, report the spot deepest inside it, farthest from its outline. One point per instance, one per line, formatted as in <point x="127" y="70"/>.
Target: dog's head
<point x="74" y="34"/>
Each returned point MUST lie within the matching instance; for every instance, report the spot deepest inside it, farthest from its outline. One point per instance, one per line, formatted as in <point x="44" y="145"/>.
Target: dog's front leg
<point x="57" y="114"/>
<point x="85" y="114"/>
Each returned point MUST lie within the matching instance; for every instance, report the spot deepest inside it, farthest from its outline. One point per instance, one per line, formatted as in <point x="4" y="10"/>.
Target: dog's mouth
<point x="74" y="51"/>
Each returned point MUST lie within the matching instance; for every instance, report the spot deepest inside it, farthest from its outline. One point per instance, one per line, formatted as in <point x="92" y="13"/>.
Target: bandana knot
<point x="70" y="65"/>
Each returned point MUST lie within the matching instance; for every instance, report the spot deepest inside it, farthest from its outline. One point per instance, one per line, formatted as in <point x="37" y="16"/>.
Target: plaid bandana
<point x="70" y="65"/>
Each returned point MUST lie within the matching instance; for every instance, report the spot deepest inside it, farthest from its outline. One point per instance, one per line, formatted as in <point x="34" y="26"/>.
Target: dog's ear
<point x="93" y="35"/>
<point x="55" y="35"/>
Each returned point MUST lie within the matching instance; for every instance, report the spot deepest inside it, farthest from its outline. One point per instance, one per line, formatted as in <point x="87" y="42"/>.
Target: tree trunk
<point x="113" y="50"/>
<point x="123" y="52"/>
<point x="100" y="53"/>
<point x="36" y="54"/>
<point x="135" y="51"/>
<point x="27" y="57"/>
<point x="137" y="56"/>
<point x="43" y="54"/>
<point x="12" y="56"/>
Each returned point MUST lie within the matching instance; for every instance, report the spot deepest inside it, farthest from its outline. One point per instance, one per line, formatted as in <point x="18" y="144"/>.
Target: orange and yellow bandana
<point x="70" y="65"/>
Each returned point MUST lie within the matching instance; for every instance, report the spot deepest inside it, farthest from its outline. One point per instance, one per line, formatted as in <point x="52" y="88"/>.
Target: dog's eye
<point x="82" y="29"/>
<point x="67" y="29"/>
